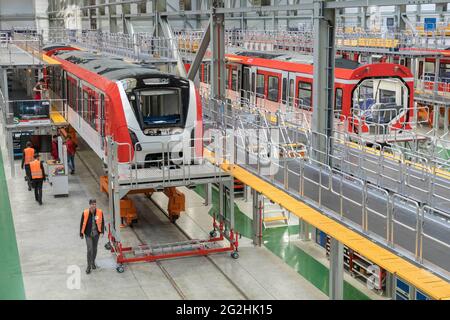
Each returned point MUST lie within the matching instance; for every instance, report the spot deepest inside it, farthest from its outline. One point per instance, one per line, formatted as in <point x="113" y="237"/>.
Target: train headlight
<point x="128" y="84"/>
<point x="135" y="141"/>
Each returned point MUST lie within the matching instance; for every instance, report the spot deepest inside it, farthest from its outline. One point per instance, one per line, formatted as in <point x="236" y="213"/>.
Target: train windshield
<point x="160" y="107"/>
<point x="380" y="100"/>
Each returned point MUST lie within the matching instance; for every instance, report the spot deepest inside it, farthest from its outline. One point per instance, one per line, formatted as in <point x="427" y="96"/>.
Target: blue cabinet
<point x="321" y="238"/>
<point x="402" y="290"/>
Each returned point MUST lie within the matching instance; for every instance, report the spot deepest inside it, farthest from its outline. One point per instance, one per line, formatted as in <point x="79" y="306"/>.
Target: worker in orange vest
<point x="28" y="156"/>
<point x="37" y="177"/>
<point x="91" y="226"/>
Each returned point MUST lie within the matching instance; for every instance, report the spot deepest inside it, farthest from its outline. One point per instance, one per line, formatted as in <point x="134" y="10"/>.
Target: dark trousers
<point x="71" y="162"/>
<point x="91" y="243"/>
<point x="37" y="184"/>
<point x="28" y="175"/>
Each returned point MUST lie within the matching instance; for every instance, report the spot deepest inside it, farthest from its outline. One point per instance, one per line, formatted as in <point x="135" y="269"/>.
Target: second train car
<point x="370" y="96"/>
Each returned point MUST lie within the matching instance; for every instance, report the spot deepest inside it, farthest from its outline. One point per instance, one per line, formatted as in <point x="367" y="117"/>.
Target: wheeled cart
<point x="188" y="248"/>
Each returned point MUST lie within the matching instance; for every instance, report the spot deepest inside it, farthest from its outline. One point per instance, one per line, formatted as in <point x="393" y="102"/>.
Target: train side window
<point x="444" y="71"/>
<point x="68" y="92"/>
<point x="429" y="70"/>
<point x="420" y="73"/>
<point x="338" y="101"/>
<point x="305" y="95"/>
<point x="102" y="116"/>
<point x="227" y="78"/>
<point x="246" y="79"/>
<point x="273" y="90"/>
<point x="260" y="84"/>
<point x="234" y="80"/>
<point x="284" y="90"/>
<point x="75" y="95"/>
<point x="253" y="82"/>
<point x="84" y="113"/>
<point x="93" y="113"/>
<point x="79" y="102"/>
<point x="90" y="109"/>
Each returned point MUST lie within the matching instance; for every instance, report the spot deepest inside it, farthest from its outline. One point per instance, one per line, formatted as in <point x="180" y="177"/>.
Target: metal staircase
<point x="273" y="215"/>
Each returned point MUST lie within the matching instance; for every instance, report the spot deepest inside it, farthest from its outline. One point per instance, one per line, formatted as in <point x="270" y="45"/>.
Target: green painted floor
<point x="273" y="239"/>
<point x="11" y="281"/>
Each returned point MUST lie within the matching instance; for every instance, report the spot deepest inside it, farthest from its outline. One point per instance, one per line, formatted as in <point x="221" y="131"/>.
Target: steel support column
<point x="336" y="270"/>
<point x="167" y="31"/>
<point x="221" y="195"/>
<point x="362" y="17"/>
<point x="436" y="107"/>
<point x="218" y="52"/>
<point x="208" y="194"/>
<point x="200" y="53"/>
<point x="401" y="17"/>
<point x="303" y="230"/>
<point x="257" y="218"/>
<point x="113" y="190"/>
<point x="231" y="203"/>
<point x="441" y="9"/>
<point x="323" y="93"/>
<point x="198" y="18"/>
<point x="10" y="148"/>
<point x="4" y="85"/>
<point x="6" y="112"/>
<point x="389" y="291"/>
<point x="243" y="19"/>
<point x="446" y="124"/>
<point x="414" y="64"/>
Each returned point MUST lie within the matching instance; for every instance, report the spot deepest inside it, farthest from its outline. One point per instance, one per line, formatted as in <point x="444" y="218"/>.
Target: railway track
<point x="240" y="294"/>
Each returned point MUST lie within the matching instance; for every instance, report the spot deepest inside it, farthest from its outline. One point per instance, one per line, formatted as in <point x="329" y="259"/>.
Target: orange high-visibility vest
<point x="35" y="168"/>
<point x="98" y="220"/>
<point x="28" y="154"/>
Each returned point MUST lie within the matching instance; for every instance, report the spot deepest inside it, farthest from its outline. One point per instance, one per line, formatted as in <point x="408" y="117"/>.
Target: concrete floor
<point x="312" y="249"/>
<point x="50" y="247"/>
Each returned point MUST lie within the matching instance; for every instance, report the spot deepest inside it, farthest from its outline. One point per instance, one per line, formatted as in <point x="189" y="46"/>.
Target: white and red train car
<point x="146" y="111"/>
<point x="381" y="93"/>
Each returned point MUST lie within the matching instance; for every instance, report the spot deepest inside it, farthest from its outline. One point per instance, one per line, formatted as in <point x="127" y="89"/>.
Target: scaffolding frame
<point x="126" y="176"/>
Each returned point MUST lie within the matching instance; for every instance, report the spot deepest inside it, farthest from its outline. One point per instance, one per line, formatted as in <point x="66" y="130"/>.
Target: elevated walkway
<point x="393" y="229"/>
<point x="422" y="279"/>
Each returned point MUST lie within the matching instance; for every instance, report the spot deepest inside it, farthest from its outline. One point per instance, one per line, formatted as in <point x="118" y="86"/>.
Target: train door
<point x="252" y="93"/>
<point x="290" y="93"/>
<point x="102" y="121"/>
<point x="284" y="88"/>
<point x="235" y="75"/>
<point x="246" y="83"/>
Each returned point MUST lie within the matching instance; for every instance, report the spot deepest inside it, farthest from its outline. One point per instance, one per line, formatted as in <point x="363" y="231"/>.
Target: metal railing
<point x="378" y="192"/>
<point x="178" y="162"/>
<point x="16" y="51"/>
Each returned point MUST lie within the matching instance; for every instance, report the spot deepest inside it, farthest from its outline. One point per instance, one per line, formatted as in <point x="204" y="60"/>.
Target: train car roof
<point x="108" y="67"/>
<point x="298" y="58"/>
<point x="349" y="72"/>
<point x="54" y="46"/>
